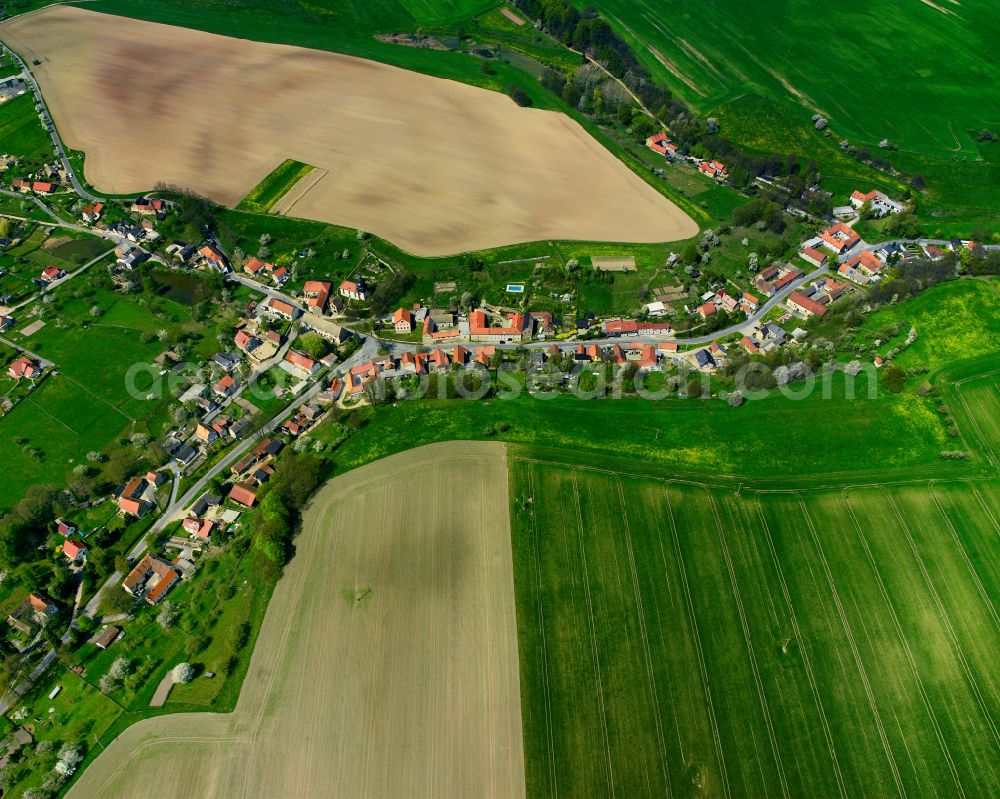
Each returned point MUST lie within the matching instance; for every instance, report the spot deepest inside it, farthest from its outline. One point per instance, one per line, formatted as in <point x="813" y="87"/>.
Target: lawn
<point x="932" y="112"/>
<point x="954" y="321"/>
<point x="265" y="194"/>
<point x="22" y="133"/>
<point x="679" y="639"/>
<point x="773" y="438"/>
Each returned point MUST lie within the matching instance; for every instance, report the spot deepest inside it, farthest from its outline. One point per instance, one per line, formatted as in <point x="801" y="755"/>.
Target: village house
<point x="6" y="322"/>
<point x="317" y="294"/>
<point x="402" y="320"/>
<point x="92" y="213"/>
<point x="805" y="306"/>
<point x="32" y="613"/>
<point x="813" y="256"/>
<point x="244" y="495"/>
<point x="254" y="266"/>
<point x="281" y="309"/>
<point x="301" y="364"/>
<point x="246" y="341"/>
<point x="840" y="237"/>
<point x="354" y="290"/>
<point x="866" y="262"/>
<point x="151" y="579"/>
<point x="213" y="259"/>
<point x="480" y="329"/>
<point x="107" y="637"/>
<point x="704" y="361"/>
<point x="206" y="433"/>
<point x="24" y="367"/>
<point x="74" y="550"/>
<point x="147" y="205"/>
<point x="43" y="187"/>
<point x="225" y="386"/>
<point x="880" y="203"/>
<point x="134" y="498"/>
<point x="198" y="528"/>
<point x="714" y="169"/>
<point x="707" y="309"/>
<point x="50" y="274"/>
<point x="280" y="275"/>
<point x="64" y="529"/>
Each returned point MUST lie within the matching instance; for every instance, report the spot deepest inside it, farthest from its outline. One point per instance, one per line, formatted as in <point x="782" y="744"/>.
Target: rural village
<point x="250" y="346"/>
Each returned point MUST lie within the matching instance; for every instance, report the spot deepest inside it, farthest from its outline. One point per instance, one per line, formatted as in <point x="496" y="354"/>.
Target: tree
<point x="519" y="95"/>
<point x="167" y="615"/>
<point x="68" y="759"/>
<point x="736" y="399"/>
<point x="183" y="673"/>
<point x="312" y="344"/>
<point x="893" y="378"/>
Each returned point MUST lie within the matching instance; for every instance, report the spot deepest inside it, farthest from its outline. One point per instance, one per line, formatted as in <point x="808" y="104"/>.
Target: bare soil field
<point x="435" y="166"/>
<point x="387" y="664"/>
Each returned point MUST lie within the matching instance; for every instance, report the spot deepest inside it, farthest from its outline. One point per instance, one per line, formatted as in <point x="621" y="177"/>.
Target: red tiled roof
<point x="806" y="303"/>
<point x="298" y="359"/>
<point x="243" y="495"/>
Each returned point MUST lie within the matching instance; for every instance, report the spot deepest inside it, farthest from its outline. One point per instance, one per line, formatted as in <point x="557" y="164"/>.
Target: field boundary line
<point x="906" y="644"/>
<point x="97" y="397"/>
<point x="51" y="415"/>
<point x="946" y="619"/>
<point x="645" y="638"/>
<point x="810" y="674"/>
<point x="593" y="636"/>
<point x="706" y="684"/>
<point x="858" y="660"/>
<point x="553" y="781"/>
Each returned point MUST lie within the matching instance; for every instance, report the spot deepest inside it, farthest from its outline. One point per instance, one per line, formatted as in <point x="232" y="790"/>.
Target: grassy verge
<point x="265" y="194"/>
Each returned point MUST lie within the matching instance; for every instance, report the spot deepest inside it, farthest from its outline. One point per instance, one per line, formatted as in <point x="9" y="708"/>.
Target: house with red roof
<point x="24" y="367"/>
<point x="213" y="258"/>
<point x="74" y="550"/>
<point x="254" y="266"/>
<point x="198" y="528"/>
<point x="225" y="386"/>
<point x="835" y="290"/>
<point x="621" y="327"/>
<point x="749" y="303"/>
<point x="714" y="169"/>
<point x="813" y="256"/>
<point x="134" y="498"/>
<point x="317" y="294"/>
<point x="749" y="345"/>
<point x="402" y="320"/>
<point x="42" y="187"/>
<point x="460" y="355"/>
<point x="484" y="355"/>
<point x="21" y="185"/>
<point x="480" y="329"/>
<point x="805" y="306"/>
<point x="839" y="237"/>
<point x="246" y="341"/>
<point x="707" y="309"/>
<point x="866" y="262"/>
<point x="151" y="579"/>
<point x="243" y="495"/>
<point x="881" y="204"/>
<point x="354" y="290"/>
<point x="281" y="309"/>
<point x="301" y="363"/>
<point x="280" y="275"/>
<point x="92" y="212"/>
<point x="50" y="274"/>
<point x="64" y="529"/>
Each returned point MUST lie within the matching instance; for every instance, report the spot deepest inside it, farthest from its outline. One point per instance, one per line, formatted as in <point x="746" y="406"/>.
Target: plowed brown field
<point x="411" y="690"/>
<point x="433" y="165"/>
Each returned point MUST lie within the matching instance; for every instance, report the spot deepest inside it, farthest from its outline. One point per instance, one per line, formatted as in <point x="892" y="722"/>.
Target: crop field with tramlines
<point x="679" y="638"/>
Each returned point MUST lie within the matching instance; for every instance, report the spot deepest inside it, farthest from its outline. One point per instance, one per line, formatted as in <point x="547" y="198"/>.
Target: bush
<point x="519" y="95"/>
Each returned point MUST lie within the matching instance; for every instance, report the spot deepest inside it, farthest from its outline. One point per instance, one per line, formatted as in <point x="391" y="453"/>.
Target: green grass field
<point x="265" y="194"/>
<point x="678" y="639"/>
<point x="21" y="132"/>
<point x="908" y="72"/>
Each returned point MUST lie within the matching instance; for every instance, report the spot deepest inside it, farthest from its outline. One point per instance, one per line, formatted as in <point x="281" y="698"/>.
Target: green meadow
<point x="272" y="188"/>
<point x="21" y="132"/>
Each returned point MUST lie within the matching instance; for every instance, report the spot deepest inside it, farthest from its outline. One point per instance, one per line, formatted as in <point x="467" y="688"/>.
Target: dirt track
<point x="411" y="690"/>
<point x="435" y="166"/>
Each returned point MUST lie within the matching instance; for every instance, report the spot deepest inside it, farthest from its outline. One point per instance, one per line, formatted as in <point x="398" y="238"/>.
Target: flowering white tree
<point x="183" y="673"/>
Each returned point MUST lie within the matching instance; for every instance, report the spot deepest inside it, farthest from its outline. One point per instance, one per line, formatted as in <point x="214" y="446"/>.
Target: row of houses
<point x="660" y="143"/>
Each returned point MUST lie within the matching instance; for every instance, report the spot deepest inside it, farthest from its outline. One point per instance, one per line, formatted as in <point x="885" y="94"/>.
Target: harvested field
<point x="435" y="166"/>
<point x="386" y="665"/>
